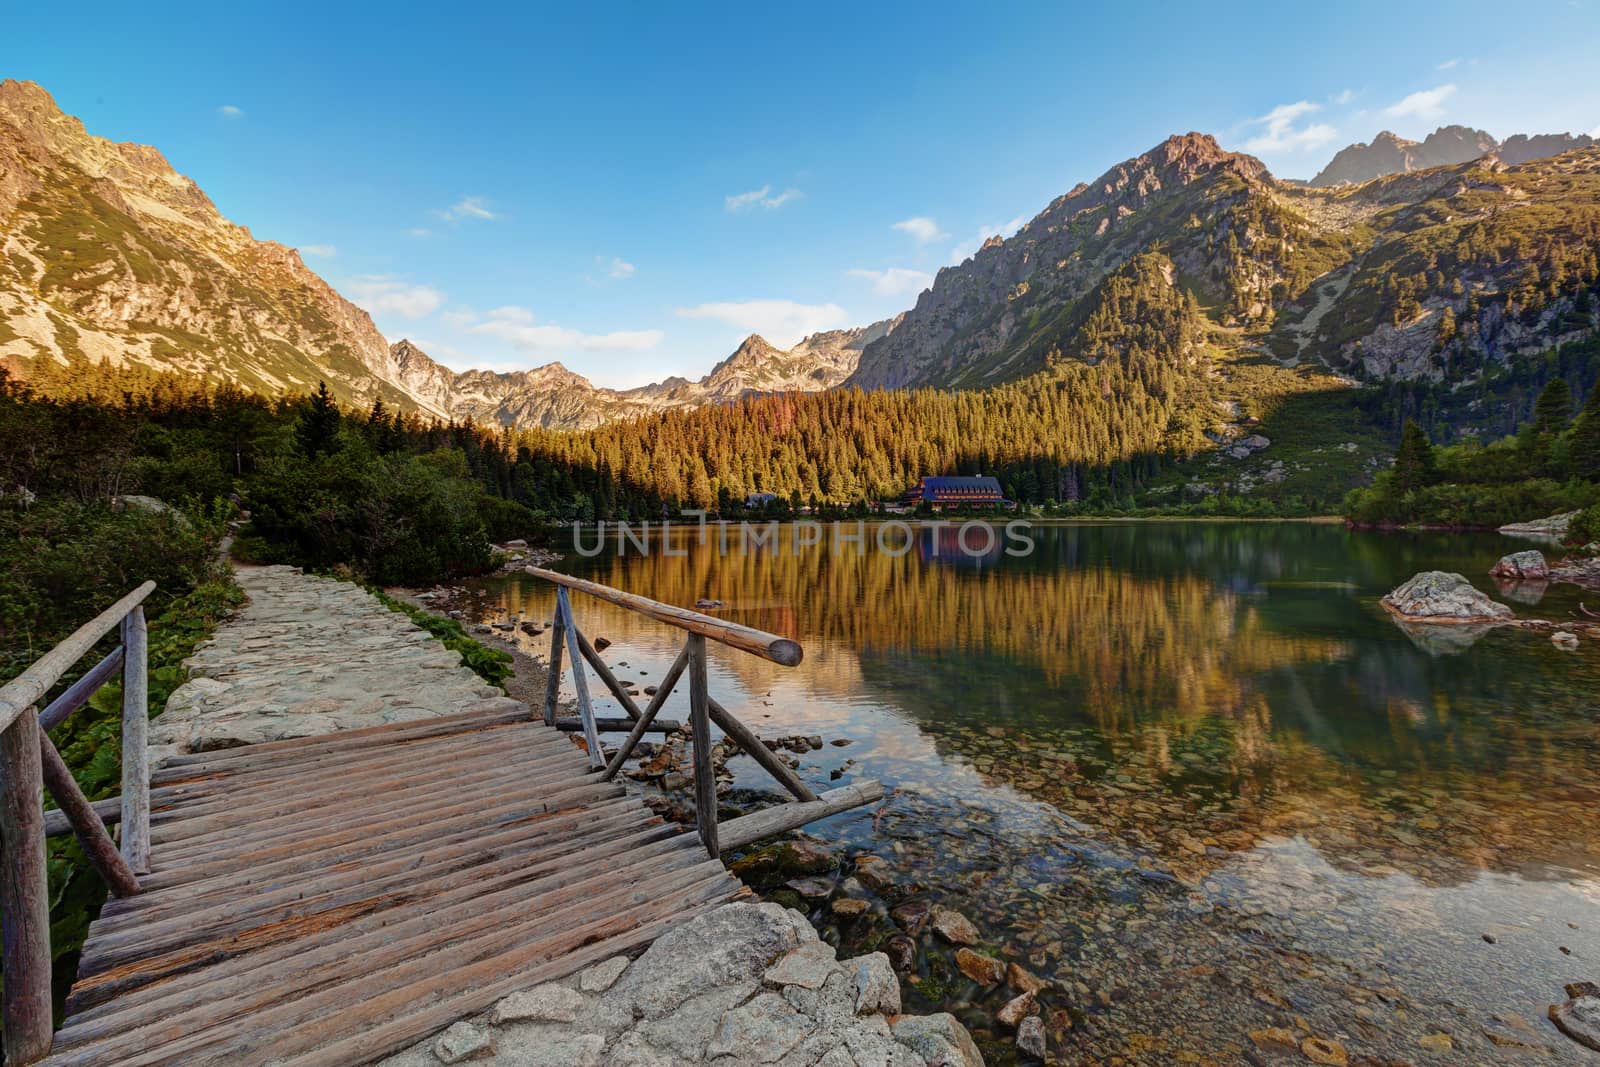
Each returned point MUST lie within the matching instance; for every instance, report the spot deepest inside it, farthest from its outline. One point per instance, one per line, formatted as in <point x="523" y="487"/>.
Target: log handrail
<point x="29" y="765"/>
<point x="780" y="650"/>
<point x="23" y="691"/>
<point x="566" y="638"/>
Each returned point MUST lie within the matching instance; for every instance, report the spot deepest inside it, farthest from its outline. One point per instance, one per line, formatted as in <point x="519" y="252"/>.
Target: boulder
<point x="876" y="985"/>
<point x="1443" y="597"/>
<point x="1031" y="1037"/>
<point x="1016" y="1009"/>
<point x="1567" y="642"/>
<point x="1528" y="564"/>
<point x="939" y="1039"/>
<point x="1552" y="529"/>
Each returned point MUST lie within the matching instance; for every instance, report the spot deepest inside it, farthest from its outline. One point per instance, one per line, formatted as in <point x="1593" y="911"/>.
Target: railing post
<point x="135" y="743"/>
<point x="580" y="682"/>
<point x="552" y="681"/>
<point x="25" y="1006"/>
<point x="705" y="782"/>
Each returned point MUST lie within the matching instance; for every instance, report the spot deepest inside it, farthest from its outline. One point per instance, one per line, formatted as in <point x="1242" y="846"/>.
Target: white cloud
<point x="1343" y="96"/>
<point x="783" y="322"/>
<point x="229" y="111"/>
<point x="1425" y="104"/>
<point x="419" y="231"/>
<point x="894" y="281"/>
<point x="615" y="267"/>
<point x="322" y="251"/>
<point x="519" y="327"/>
<point x="960" y="252"/>
<point x="1280" y="134"/>
<point x="1595" y="133"/>
<point x="762" y="197"/>
<point x="468" y="207"/>
<point x="924" y="229"/>
<point x="1448" y="64"/>
<point x="386" y="294"/>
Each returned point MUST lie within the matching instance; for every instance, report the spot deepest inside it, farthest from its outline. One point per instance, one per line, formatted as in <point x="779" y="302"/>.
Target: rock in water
<point x="1579" y="1016"/>
<point x="1565" y="641"/>
<point x="1442" y="597"/>
<point x="953" y="926"/>
<point x="985" y="970"/>
<point x="1529" y="564"/>
<point x="1031" y="1038"/>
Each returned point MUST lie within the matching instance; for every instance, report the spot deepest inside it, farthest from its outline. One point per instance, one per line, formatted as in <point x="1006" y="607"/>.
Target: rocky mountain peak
<point x="1446" y="146"/>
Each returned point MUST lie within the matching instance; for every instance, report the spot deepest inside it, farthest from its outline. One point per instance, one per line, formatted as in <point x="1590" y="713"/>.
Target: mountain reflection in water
<point x="1191" y="772"/>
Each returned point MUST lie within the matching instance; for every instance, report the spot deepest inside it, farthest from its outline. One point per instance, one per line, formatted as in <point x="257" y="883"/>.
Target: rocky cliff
<point x="1446" y="146"/>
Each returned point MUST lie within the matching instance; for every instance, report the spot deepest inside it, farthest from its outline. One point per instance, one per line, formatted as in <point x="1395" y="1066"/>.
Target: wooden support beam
<point x="552" y="681"/>
<point x="747" y="829"/>
<point x="86" y="823"/>
<point x="779" y="650"/>
<point x="747" y="739"/>
<point x="24" y="895"/>
<point x="108" y="811"/>
<point x="24" y="691"/>
<point x="663" y="691"/>
<point x="600" y="668"/>
<point x="616" y="725"/>
<point x="135" y="743"/>
<point x="80" y="691"/>
<point x="705" y="782"/>
<point x="580" y="681"/>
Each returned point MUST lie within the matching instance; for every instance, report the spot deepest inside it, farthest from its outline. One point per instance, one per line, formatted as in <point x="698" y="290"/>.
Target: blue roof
<point x="981" y="482"/>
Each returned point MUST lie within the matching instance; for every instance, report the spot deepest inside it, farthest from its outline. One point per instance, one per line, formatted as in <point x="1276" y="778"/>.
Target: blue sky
<point x="632" y="189"/>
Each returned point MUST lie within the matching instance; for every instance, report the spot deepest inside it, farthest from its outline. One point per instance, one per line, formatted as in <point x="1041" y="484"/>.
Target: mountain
<point x="1446" y="146"/>
<point x="1430" y="274"/>
<point x="554" y="397"/>
<point x="112" y="256"/>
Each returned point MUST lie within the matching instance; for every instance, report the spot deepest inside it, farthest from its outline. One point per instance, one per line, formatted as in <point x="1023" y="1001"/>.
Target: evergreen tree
<point x="1413" y="463"/>
<point x="318" y="429"/>
<point x="1583" y="449"/>
<point x="1553" y="408"/>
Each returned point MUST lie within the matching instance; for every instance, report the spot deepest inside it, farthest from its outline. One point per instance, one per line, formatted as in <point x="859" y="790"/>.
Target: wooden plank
<point x="757" y="750"/>
<point x="24" y="895"/>
<point x="24" y="691"/>
<point x="292" y="749"/>
<point x="609" y="725"/>
<point x="135" y="743"/>
<point x="321" y="891"/>
<point x="388" y="973"/>
<point x="78" y="694"/>
<point x="323" y="767"/>
<point x="779" y="650"/>
<point x="86" y="824"/>
<point x="108" y="811"/>
<point x="736" y="833"/>
<point x="580" y="682"/>
<point x="422" y="853"/>
<point x="355" y="939"/>
<point x="647" y="717"/>
<point x="705" y="782"/>
<point x="245" y="836"/>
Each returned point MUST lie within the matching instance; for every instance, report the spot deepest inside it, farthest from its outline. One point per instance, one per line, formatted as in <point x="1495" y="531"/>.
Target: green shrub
<point x="490" y="664"/>
<point x="1585" y="528"/>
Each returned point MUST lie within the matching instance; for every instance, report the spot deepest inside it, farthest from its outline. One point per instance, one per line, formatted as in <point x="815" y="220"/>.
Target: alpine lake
<point x="1191" y="775"/>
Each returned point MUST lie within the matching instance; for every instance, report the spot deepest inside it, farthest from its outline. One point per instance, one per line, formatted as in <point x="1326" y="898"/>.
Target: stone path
<point x="744" y="984"/>
<point x="310" y="656"/>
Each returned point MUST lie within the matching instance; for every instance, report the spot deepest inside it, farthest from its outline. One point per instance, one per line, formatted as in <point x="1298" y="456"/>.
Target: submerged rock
<point x="1528" y="564"/>
<point x="985" y="970"/>
<point x="1443" y="597"/>
<point x="953" y="926"/>
<point x="1579" y="1016"/>
<point x="1031" y="1037"/>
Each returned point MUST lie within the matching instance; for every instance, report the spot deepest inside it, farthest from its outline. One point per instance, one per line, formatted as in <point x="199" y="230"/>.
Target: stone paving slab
<point x="309" y="656"/>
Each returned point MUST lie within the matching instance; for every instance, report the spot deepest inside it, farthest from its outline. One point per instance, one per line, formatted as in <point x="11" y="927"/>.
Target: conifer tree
<point x="318" y="429"/>
<point x="1413" y="463"/>
<point x="1583" y="449"/>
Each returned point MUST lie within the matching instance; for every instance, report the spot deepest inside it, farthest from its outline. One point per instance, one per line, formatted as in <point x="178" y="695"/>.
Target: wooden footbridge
<point x="330" y="900"/>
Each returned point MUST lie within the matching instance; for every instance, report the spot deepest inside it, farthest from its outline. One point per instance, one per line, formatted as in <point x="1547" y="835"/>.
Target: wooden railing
<point x="567" y="640"/>
<point x="30" y="764"/>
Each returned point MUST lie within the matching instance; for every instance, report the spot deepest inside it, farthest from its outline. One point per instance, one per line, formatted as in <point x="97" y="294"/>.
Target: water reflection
<point x="1103" y="745"/>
